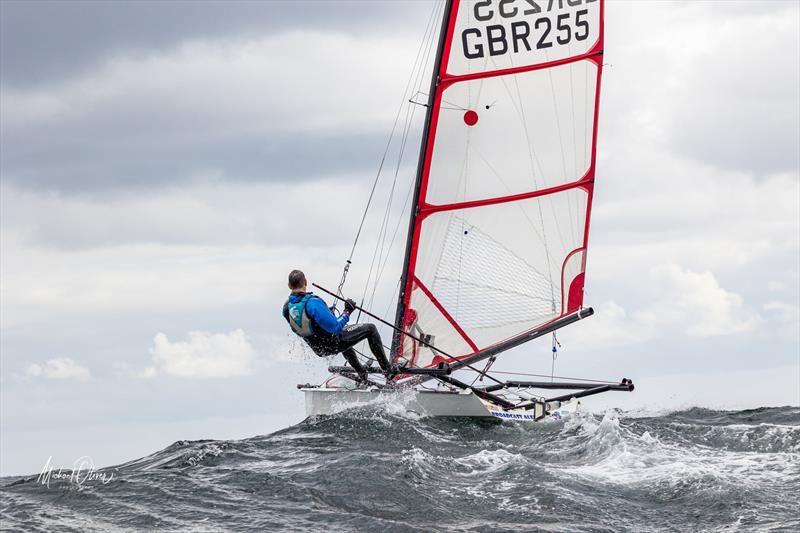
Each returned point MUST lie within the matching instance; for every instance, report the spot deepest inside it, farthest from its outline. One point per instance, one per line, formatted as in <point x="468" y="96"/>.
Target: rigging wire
<point x="414" y="80"/>
<point x="380" y="246"/>
<point x="428" y="29"/>
<point x="400" y="221"/>
<point x="450" y="105"/>
<point x="379" y="249"/>
<point x="557" y="377"/>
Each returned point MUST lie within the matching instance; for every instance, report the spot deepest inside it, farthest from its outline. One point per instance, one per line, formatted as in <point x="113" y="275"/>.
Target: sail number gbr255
<point x="524" y="35"/>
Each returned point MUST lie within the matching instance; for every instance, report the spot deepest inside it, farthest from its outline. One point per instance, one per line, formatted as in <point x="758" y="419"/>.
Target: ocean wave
<point x="375" y="467"/>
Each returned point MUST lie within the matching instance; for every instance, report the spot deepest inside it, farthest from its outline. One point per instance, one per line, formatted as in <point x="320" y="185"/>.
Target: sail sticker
<point x="512" y="416"/>
<point x="470" y="118"/>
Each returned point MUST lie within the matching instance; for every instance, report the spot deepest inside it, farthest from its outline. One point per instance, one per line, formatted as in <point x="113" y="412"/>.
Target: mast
<point x="396" y="337"/>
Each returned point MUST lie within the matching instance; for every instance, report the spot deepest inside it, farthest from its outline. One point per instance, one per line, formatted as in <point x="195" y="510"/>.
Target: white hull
<point x="328" y="401"/>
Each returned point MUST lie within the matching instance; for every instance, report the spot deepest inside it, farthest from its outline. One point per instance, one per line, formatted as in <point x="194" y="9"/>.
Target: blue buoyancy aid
<point x="298" y="316"/>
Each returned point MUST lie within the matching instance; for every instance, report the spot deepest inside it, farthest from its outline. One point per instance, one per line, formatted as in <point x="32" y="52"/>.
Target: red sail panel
<point x="499" y="242"/>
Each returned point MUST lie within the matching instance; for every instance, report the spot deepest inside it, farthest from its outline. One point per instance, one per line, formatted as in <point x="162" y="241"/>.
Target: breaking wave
<point x="378" y="468"/>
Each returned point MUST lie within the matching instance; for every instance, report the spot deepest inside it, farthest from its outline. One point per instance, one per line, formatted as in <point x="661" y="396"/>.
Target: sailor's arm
<point x="317" y="310"/>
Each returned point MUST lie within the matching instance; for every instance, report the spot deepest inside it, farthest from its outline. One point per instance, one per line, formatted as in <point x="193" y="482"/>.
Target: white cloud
<point x="694" y="86"/>
<point x="676" y="302"/>
<point x="654" y="208"/>
<point x="205" y="355"/>
<point x="59" y="368"/>
<point x="610" y="326"/>
<point x="696" y="304"/>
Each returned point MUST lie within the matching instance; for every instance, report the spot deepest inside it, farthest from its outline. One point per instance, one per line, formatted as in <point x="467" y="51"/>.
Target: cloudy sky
<point x="164" y="165"/>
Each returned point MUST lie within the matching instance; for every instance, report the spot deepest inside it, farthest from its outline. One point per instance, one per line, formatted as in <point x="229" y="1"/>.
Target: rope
<point x="485" y="371"/>
<point x="556" y="345"/>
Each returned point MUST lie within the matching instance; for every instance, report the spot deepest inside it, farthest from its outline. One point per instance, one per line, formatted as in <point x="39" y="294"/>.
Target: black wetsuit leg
<point x="352" y="358"/>
<point x="353" y="334"/>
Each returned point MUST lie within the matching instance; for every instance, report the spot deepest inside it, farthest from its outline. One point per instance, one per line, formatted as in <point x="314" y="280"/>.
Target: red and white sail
<point x="498" y="245"/>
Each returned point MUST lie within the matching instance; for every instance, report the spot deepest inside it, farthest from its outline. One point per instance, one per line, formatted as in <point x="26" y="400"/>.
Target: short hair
<point x="297" y="279"/>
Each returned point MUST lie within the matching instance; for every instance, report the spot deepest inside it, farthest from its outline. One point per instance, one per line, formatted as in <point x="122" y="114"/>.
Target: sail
<point x="497" y="245"/>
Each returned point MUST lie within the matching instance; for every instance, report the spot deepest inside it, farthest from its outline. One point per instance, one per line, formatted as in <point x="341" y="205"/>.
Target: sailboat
<point x="497" y="239"/>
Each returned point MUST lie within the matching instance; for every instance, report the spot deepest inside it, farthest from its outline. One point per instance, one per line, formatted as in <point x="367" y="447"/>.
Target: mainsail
<point x="498" y="237"/>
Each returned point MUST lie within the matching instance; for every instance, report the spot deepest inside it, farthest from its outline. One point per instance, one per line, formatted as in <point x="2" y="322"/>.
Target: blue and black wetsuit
<point x="326" y="334"/>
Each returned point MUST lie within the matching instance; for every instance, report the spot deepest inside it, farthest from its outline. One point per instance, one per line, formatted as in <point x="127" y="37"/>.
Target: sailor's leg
<point x="352" y="335"/>
<point x="376" y="347"/>
<point x="352" y="358"/>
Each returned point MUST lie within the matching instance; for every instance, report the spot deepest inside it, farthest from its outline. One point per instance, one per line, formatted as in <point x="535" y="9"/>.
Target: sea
<point x="381" y="469"/>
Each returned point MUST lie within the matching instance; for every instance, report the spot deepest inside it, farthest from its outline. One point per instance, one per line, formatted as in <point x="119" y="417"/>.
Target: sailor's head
<point x="297" y="281"/>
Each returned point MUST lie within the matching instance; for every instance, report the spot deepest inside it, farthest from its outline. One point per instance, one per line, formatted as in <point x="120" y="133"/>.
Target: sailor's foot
<point x="394" y="370"/>
<point x="390" y="372"/>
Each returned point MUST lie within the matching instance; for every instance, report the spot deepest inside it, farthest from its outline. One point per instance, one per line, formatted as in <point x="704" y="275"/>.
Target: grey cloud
<point x="226" y="109"/>
<point x="743" y="109"/>
<point x="46" y="40"/>
<point x="88" y="161"/>
<point x="726" y="94"/>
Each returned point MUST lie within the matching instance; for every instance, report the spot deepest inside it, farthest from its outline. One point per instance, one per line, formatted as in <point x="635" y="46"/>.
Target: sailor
<point x="326" y="334"/>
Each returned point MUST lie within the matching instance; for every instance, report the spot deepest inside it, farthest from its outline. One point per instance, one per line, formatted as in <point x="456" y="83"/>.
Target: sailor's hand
<point x="349" y="306"/>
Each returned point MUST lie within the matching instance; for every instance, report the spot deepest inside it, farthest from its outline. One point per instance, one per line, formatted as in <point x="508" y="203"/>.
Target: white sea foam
<point x="418" y="461"/>
<point x="487" y="461"/>
<point x="395" y="403"/>
<point x="618" y="455"/>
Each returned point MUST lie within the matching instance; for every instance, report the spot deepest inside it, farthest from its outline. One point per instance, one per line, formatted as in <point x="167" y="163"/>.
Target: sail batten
<point x="432" y="208"/>
<point x="498" y="239"/>
<point x="593" y="55"/>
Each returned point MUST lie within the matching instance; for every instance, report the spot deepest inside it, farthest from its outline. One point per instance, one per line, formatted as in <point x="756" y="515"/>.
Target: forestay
<point x="498" y="240"/>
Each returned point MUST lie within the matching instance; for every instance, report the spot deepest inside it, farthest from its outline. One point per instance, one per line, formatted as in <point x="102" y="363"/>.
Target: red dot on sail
<point x="471" y="118"/>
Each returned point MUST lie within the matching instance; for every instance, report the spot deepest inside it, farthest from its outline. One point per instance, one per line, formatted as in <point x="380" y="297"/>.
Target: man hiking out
<point x="326" y="334"/>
